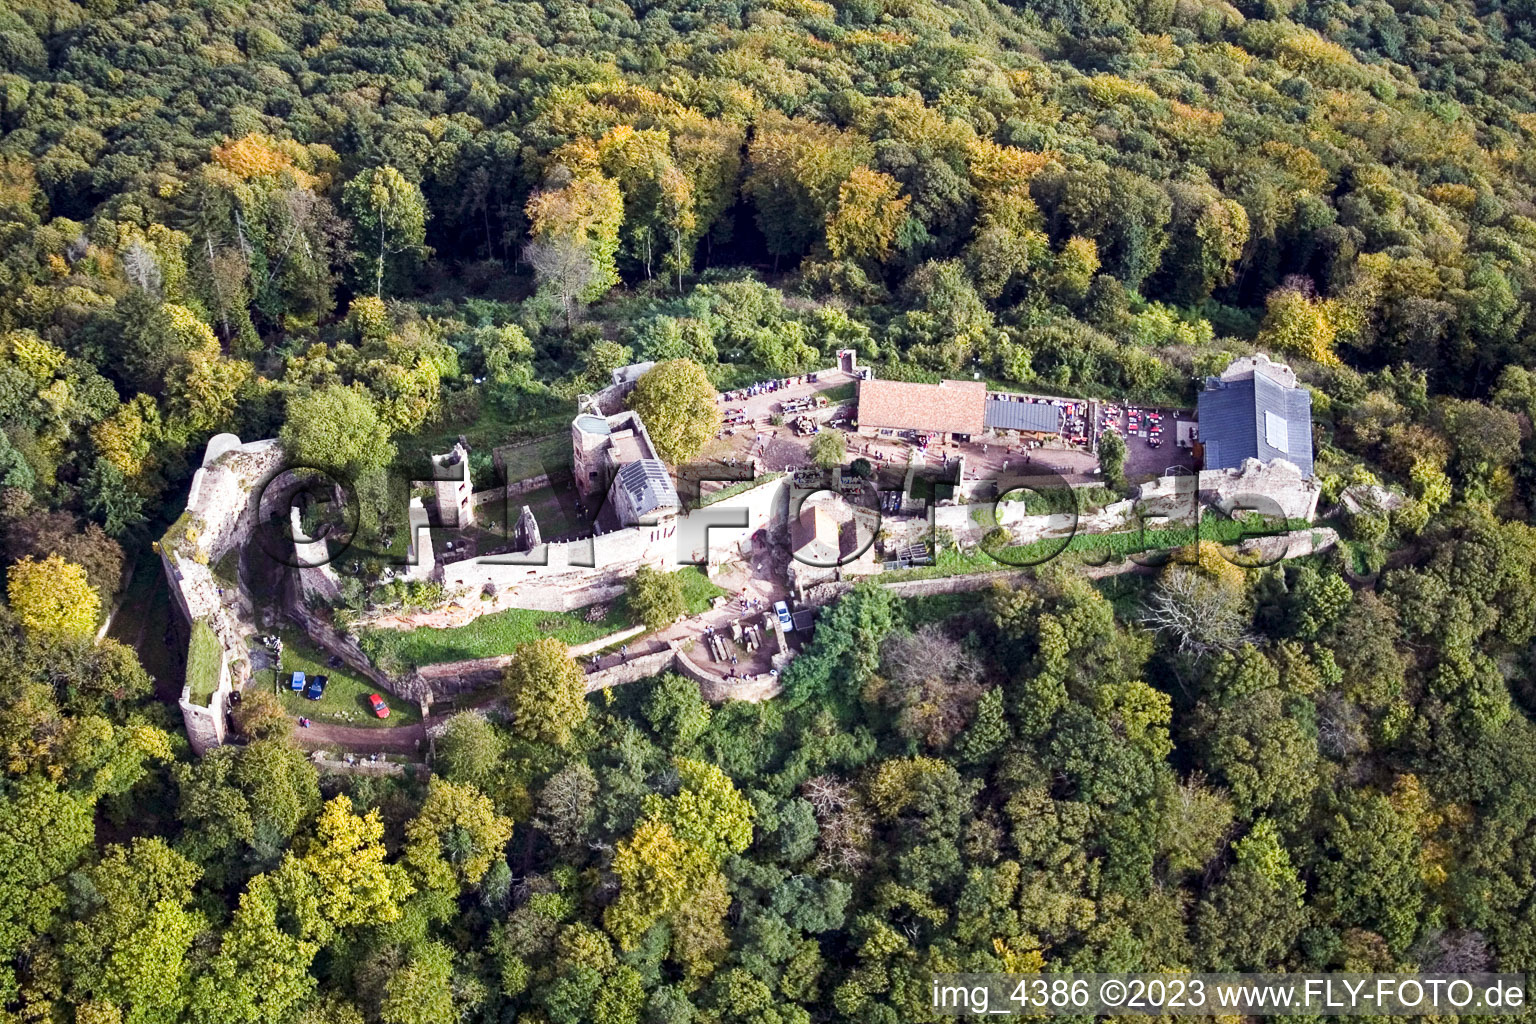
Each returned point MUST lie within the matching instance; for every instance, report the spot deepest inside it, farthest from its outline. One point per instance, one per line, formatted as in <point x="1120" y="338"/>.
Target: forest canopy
<point x="364" y="227"/>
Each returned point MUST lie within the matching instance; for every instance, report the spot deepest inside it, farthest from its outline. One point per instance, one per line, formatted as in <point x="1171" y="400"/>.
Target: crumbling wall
<point x="450" y="677"/>
<point x="452" y="487"/>
<point x="221" y="516"/>
<point x="633" y="669"/>
<point x="563" y="575"/>
<point x="328" y="638"/>
<point x="1276" y="486"/>
<point x="207" y="726"/>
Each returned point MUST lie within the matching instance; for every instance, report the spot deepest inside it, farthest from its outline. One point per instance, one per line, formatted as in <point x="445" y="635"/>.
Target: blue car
<point x="296" y="683"/>
<point x="316" y="688"/>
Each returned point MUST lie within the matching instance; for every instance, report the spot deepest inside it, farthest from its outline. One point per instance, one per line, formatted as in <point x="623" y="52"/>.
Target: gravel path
<point x="405" y="739"/>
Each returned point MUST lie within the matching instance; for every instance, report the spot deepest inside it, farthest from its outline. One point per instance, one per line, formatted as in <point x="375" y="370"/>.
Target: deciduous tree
<point x="336" y="428"/>
<point x="655" y="597"/>
<point x="52" y="597"/>
<point x="679" y="406"/>
<point x="391" y="219"/>
<point x="547" y="690"/>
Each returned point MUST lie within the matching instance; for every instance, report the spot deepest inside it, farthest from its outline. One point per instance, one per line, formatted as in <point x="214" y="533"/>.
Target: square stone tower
<point x="450" y="479"/>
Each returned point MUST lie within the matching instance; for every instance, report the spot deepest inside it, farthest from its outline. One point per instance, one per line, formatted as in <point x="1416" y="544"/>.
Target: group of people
<point x="597" y="659"/>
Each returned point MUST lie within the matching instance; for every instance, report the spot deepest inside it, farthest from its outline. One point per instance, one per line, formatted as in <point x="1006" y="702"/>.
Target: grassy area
<point x="1095" y="548"/>
<point x="489" y="425"/>
<point x="838" y="395"/>
<point x="698" y="589"/>
<point x="536" y="457"/>
<point x="490" y="635"/>
<point x="495" y="520"/>
<point x="345" y="701"/>
<point x="553" y="518"/>
<point x="502" y="632"/>
<point x="203" y="656"/>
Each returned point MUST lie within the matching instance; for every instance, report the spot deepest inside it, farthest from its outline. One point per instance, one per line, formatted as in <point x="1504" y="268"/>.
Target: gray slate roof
<point x="1239" y="419"/>
<point x="649" y="486"/>
<point x="1041" y="417"/>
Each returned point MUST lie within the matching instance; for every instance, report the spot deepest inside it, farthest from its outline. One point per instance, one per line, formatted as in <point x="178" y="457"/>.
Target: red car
<point x="379" y="707"/>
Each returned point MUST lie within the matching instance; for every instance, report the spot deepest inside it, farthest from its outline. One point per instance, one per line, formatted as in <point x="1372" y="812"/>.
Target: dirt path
<point x="405" y="739"/>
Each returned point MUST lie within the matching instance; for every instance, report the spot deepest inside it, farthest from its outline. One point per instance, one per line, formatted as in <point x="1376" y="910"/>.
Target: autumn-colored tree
<point x="202" y="386"/>
<point x="344" y="878"/>
<point x="658" y="197"/>
<point x="796" y="172"/>
<point x="260" y="156"/>
<point x="1296" y="324"/>
<point x="1074" y="268"/>
<point x="368" y="319"/>
<point x="129" y="437"/>
<point x="52" y="597"/>
<point x="574" y="233"/>
<point x="869" y="210"/>
<point x="676" y="848"/>
<point x="455" y="836"/>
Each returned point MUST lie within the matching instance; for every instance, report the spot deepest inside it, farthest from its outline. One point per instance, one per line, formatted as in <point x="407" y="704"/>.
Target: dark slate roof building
<point x="1255" y="410"/>
<point x="1034" y="417"/>
<point x="648" y="487"/>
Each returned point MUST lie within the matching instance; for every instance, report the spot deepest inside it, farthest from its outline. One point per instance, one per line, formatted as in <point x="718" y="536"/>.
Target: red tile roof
<point x="814" y="535"/>
<point x="948" y="407"/>
<point x="821" y="535"/>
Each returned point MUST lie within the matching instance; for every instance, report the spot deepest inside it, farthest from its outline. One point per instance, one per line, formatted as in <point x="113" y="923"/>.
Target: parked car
<point x="379" y="707"/>
<point x="786" y="623"/>
<point x="296" y="682"/>
<point x="316" y="688"/>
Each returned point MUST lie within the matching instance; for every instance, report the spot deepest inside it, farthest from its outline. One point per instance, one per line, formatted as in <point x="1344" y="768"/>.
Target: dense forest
<point x="365" y="226"/>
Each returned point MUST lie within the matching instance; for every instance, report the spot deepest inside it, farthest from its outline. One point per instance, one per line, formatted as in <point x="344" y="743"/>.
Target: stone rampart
<point x="220" y="517"/>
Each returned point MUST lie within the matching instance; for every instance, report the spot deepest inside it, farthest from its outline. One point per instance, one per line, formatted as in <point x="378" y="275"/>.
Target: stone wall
<point x="633" y="669"/>
<point x="1261" y="550"/>
<point x="673" y="658"/>
<point x="450" y="677"/>
<point x="565" y="575"/>
<point x="1273" y="488"/>
<point x="221" y="516"/>
<point x="713" y="688"/>
<point x="357" y="766"/>
<point x="207" y="726"/>
<point x="516" y="488"/>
